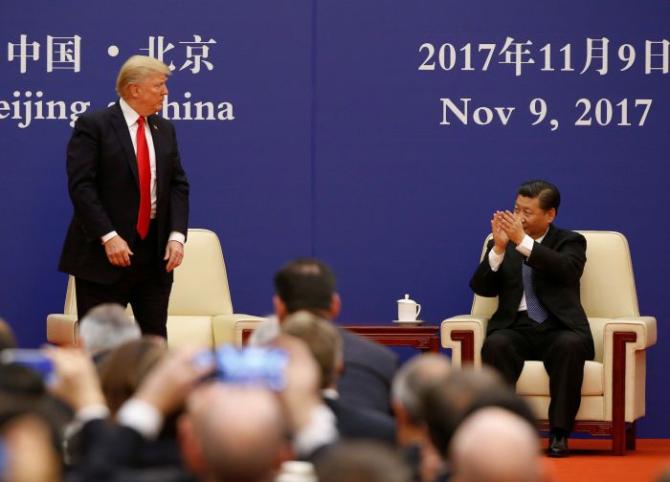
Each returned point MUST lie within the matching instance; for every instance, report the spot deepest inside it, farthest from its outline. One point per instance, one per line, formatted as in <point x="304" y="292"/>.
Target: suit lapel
<point x="549" y="239"/>
<point x="121" y="129"/>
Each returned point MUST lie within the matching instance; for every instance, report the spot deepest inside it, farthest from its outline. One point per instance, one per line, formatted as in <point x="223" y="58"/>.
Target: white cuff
<point x="320" y="431"/>
<point x="495" y="259"/>
<point x="140" y="416"/>
<point x="108" y="236"/>
<point x="92" y="412"/>
<point x="525" y="247"/>
<point x="177" y="236"/>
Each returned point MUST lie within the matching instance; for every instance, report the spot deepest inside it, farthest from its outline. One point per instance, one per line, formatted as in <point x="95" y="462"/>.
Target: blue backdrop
<point x="339" y="129"/>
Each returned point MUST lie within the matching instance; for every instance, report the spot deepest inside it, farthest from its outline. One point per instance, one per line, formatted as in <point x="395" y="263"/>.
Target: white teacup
<point x="408" y="310"/>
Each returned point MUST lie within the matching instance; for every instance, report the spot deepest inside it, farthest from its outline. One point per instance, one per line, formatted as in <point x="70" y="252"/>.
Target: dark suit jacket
<point x="104" y="188"/>
<point x="369" y="369"/>
<point x="116" y="453"/>
<point x="361" y="424"/>
<point x="558" y="263"/>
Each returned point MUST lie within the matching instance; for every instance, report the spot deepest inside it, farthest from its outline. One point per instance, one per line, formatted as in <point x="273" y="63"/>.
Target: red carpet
<point x="591" y="461"/>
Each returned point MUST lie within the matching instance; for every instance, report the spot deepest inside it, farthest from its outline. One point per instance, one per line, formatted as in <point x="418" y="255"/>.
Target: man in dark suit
<point x="308" y="284"/>
<point x="130" y="198"/>
<point x="534" y="268"/>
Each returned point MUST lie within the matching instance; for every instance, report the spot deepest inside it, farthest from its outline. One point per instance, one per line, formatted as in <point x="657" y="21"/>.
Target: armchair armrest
<point x="625" y="342"/>
<point x="643" y="326"/>
<point x="230" y="328"/>
<point x="464" y="335"/>
<point x="62" y="329"/>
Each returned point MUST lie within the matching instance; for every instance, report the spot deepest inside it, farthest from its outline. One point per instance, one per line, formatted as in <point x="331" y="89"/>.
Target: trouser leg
<point x="564" y="361"/>
<point x="506" y="350"/>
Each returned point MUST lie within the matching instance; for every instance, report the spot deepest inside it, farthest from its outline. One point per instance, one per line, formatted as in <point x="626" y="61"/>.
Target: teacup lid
<point x="406" y="299"/>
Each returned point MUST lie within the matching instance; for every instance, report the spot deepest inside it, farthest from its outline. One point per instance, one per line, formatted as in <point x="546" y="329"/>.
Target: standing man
<point x="130" y="198"/>
<point x="534" y="268"/>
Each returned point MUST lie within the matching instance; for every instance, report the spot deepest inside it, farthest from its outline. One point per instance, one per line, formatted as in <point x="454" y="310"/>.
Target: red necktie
<point x="144" y="174"/>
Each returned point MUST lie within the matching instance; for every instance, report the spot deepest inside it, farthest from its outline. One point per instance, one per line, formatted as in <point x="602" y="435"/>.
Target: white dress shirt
<point x="525" y="247"/>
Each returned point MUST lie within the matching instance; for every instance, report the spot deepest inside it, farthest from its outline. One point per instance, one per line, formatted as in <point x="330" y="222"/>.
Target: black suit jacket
<point x="558" y="263"/>
<point x="104" y="188"/>
<point x="369" y="369"/>
<point x="358" y="423"/>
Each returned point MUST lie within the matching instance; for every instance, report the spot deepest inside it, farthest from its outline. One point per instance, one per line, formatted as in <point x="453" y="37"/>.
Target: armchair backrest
<point x="200" y="283"/>
<point x="607" y="284"/>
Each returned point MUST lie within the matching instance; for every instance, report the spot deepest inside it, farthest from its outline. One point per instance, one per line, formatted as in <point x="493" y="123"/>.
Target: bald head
<point x="239" y="429"/>
<point x="495" y="445"/>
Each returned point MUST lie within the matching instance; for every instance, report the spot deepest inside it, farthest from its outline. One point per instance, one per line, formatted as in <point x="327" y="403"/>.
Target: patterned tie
<point x="536" y="311"/>
<point x="144" y="174"/>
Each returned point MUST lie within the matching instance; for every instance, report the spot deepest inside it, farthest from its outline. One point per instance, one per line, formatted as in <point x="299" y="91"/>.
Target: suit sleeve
<point x="82" y="169"/>
<point x="565" y="263"/>
<point x="485" y="281"/>
<point x="179" y="192"/>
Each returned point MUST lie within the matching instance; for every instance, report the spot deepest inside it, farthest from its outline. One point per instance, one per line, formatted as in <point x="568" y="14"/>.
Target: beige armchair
<point x="613" y="391"/>
<point x="200" y="296"/>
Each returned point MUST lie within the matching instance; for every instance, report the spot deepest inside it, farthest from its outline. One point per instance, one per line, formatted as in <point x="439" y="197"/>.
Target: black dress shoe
<point x="558" y="446"/>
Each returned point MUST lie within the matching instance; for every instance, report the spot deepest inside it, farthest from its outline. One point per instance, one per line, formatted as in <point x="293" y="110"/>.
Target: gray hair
<point x="137" y="68"/>
<point x="414" y="378"/>
<point x="105" y="327"/>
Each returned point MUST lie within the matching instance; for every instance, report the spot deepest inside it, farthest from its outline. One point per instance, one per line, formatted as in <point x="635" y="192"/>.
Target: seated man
<point x="534" y="268"/>
<point x="309" y="284"/>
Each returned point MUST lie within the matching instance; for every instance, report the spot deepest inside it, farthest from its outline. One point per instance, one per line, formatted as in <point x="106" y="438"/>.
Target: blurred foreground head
<point x="495" y="445"/>
<point x="105" y="327"/>
<point x="234" y="433"/>
<point x="361" y="462"/>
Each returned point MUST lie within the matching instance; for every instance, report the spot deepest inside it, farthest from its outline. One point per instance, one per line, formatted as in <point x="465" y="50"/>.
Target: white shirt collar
<point x="129" y="113"/>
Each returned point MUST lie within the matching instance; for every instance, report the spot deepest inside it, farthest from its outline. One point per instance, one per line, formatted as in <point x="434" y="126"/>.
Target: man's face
<point x="535" y="220"/>
<point x="147" y="94"/>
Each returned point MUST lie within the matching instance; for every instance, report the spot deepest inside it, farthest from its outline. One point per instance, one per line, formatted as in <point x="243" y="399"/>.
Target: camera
<point x="249" y="365"/>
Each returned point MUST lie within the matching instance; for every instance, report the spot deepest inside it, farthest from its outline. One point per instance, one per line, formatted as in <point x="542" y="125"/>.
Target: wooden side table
<point x="421" y="337"/>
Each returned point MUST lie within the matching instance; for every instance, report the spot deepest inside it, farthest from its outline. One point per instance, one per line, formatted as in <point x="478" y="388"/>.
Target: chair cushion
<point x="535" y="381"/>
<point x="189" y="331"/>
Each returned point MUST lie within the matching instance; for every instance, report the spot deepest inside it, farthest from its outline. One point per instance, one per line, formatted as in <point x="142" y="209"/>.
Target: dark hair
<point x="547" y="193"/>
<point x="462" y="393"/>
<point x="305" y="284"/>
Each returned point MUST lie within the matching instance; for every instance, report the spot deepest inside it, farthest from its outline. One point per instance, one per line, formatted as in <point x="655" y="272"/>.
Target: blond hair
<point x="322" y="339"/>
<point x="137" y="68"/>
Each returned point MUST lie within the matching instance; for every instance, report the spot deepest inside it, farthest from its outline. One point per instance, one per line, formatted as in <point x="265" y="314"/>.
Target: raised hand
<point x="500" y="237"/>
<point x="512" y="225"/>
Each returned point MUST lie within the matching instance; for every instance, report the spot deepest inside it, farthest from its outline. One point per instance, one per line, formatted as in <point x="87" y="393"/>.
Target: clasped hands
<point x="506" y="226"/>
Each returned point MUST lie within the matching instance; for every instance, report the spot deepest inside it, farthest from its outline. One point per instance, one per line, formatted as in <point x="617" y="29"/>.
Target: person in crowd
<point x="309" y="284"/>
<point x="234" y="433"/>
<point x="362" y="461"/>
<point x="534" y="268"/>
<point x="27" y="452"/>
<point x="125" y="367"/>
<point x="495" y="445"/>
<point x="105" y="327"/>
<point x="113" y="448"/>
<point x="447" y="404"/>
<point x="414" y="378"/>
<point x="325" y="345"/>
